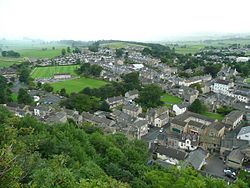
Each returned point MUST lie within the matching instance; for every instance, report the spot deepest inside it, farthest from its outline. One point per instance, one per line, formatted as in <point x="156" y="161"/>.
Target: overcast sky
<point x="144" y="20"/>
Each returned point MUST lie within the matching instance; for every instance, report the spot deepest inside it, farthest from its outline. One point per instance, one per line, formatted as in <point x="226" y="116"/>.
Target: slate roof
<point x="244" y="130"/>
<point x="197" y="157"/>
<point x="171" y="152"/>
<point x="232" y="116"/>
<point x="236" y="156"/>
<point x="224" y="82"/>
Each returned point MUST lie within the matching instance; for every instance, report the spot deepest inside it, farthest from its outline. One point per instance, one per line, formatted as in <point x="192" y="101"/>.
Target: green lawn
<point x="48" y="72"/>
<point x="169" y="100"/>
<point x="76" y="85"/>
<point x="213" y="115"/>
<point x="248" y="53"/>
<point x="14" y="97"/>
<point x="39" y="53"/>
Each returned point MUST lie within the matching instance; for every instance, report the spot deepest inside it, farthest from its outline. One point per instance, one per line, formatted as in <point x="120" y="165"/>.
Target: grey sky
<point x="121" y="19"/>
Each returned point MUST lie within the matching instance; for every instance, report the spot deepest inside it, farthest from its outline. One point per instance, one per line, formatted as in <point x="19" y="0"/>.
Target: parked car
<point x="230" y="173"/>
<point x="161" y="130"/>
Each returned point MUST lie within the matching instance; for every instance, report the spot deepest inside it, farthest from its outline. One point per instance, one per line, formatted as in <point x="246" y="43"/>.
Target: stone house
<point x="233" y="118"/>
<point x="235" y="159"/>
<point x="170" y="155"/>
<point x="132" y="110"/>
<point x="132" y="94"/>
<point x="211" y="136"/>
<point x="115" y="101"/>
<point x="190" y="122"/>
<point x="184" y="141"/>
<point x="158" y="116"/>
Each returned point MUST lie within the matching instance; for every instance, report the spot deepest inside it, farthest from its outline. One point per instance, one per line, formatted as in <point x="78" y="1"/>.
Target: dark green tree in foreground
<point x="23" y="97"/>
<point x="37" y="155"/>
<point x="198" y="107"/>
<point x="4" y="97"/>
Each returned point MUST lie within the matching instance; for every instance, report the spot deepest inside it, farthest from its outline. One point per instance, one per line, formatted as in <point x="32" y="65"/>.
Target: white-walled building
<point x="179" y="108"/>
<point x="222" y="87"/>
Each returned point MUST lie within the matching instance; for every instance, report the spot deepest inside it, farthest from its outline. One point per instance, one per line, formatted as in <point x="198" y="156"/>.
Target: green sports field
<point x="48" y="72"/>
<point x="76" y="85"/>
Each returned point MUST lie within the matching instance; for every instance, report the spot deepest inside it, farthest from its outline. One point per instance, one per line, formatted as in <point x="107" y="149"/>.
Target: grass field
<point x="248" y="53"/>
<point x="48" y="72"/>
<point x="76" y="85"/>
<point x="170" y="100"/>
<point x="189" y="49"/>
<point x="39" y="53"/>
<point x="114" y="45"/>
<point x="7" y="62"/>
<point x="213" y="115"/>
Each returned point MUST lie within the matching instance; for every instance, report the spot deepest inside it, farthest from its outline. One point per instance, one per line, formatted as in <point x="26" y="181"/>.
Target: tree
<point x="3" y="90"/>
<point x="81" y="102"/>
<point x="197" y="107"/>
<point x="68" y="49"/>
<point x="131" y="81"/>
<point x="63" y="92"/>
<point x="197" y="86"/>
<point x="94" y="47"/>
<point x="63" y="52"/>
<point x="23" y="97"/>
<point x="150" y="96"/>
<point x="119" y="52"/>
<point x="47" y="87"/>
<point x="76" y="50"/>
<point x="24" y="75"/>
<point x="39" y="85"/>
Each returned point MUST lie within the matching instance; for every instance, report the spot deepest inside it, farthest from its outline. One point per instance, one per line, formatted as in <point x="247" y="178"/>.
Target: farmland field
<point x="39" y="53"/>
<point x="170" y="100"/>
<point x="189" y="49"/>
<point x="114" y="45"/>
<point x="76" y="85"/>
<point x="48" y="72"/>
<point x="7" y="62"/>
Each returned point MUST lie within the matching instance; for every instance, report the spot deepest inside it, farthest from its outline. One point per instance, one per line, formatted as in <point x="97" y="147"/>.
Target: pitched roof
<point x="197" y="157"/>
<point x="232" y="116"/>
<point x="244" y="130"/>
<point x="171" y="152"/>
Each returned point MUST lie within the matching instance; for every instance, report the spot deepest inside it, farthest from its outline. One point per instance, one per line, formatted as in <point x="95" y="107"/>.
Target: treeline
<point x="34" y="154"/>
<point x="10" y="53"/>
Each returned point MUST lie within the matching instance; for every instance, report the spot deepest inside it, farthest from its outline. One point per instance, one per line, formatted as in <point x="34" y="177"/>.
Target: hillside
<point x="34" y="154"/>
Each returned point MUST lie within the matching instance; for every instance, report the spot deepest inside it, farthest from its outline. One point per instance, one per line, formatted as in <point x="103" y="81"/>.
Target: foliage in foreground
<point x="33" y="154"/>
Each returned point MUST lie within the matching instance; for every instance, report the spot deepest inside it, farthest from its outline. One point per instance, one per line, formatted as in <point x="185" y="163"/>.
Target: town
<point x="191" y="109"/>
